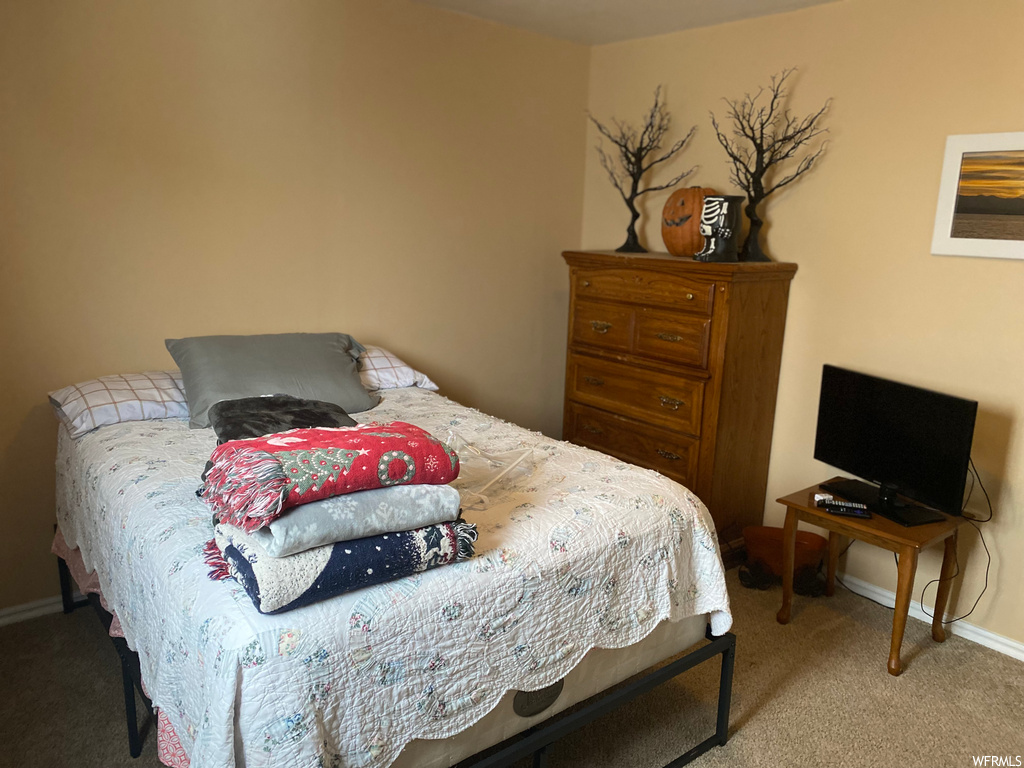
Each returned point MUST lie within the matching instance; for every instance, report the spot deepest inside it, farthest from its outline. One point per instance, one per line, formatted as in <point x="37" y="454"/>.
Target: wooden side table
<point x="905" y="542"/>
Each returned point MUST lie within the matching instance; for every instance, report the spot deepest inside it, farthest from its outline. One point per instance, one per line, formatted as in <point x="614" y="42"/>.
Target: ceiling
<point x="594" y="22"/>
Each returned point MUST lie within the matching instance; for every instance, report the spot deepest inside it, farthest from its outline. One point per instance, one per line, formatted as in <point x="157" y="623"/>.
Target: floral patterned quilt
<point x="585" y="552"/>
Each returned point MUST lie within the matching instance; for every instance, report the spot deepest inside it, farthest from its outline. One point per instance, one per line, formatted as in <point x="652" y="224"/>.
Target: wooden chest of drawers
<point x="674" y="365"/>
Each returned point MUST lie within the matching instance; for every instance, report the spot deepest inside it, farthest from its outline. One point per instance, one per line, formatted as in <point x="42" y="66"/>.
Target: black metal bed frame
<point x="131" y="674"/>
<point x="535" y="741"/>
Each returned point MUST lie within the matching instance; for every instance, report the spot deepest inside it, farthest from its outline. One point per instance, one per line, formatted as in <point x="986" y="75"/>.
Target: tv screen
<point x="905" y="438"/>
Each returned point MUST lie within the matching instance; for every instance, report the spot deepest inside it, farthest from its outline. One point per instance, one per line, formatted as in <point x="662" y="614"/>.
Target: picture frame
<point x="981" y="197"/>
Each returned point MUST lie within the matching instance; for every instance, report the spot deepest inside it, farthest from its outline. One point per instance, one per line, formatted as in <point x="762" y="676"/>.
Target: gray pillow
<point x="314" y="366"/>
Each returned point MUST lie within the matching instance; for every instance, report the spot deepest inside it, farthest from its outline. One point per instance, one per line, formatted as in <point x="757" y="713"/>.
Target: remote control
<point x="846" y="504"/>
<point x="847" y="511"/>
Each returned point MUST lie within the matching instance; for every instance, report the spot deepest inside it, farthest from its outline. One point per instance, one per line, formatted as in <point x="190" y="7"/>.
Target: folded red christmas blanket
<point x="251" y="482"/>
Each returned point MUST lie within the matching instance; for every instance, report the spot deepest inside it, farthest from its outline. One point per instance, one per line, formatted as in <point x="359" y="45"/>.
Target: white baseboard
<point x="972" y="632"/>
<point x="27" y="611"/>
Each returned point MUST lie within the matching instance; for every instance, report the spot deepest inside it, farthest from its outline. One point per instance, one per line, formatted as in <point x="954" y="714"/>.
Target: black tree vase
<point x="632" y="244"/>
<point x="751" y="250"/>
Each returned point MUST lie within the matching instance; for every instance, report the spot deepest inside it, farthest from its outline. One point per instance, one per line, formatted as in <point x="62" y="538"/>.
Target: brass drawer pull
<point x="668" y="455"/>
<point x="689" y="297"/>
<point x="593" y="430"/>
<point x="671" y="403"/>
<point x="586" y="283"/>
<point x="594" y="381"/>
<point x="669" y="337"/>
<point x="600" y="326"/>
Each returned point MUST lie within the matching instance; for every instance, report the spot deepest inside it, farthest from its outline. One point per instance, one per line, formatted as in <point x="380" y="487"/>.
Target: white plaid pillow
<point x="379" y="369"/>
<point x="113" y="399"/>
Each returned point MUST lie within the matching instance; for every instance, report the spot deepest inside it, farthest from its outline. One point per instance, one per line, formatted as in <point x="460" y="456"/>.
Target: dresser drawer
<point x="647" y="287"/>
<point x="609" y="326"/>
<point x="671" y="454"/>
<point x="663" y="399"/>
<point x="673" y="336"/>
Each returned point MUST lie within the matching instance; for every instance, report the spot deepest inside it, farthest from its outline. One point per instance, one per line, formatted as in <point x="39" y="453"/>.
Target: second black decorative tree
<point x="765" y="134"/>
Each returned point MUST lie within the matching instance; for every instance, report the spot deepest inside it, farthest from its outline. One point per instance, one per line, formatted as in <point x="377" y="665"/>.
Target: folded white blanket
<point x="358" y="515"/>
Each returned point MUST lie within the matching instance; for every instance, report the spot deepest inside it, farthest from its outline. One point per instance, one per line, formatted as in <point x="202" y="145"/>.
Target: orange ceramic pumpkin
<point x="680" y="221"/>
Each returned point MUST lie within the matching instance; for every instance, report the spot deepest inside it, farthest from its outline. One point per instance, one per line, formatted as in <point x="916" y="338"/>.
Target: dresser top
<point x="742" y="270"/>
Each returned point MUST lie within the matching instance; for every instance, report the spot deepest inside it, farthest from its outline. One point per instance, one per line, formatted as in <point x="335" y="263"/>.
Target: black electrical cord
<point x="988" y="567"/>
<point x="988" y="501"/>
<point x="974" y="523"/>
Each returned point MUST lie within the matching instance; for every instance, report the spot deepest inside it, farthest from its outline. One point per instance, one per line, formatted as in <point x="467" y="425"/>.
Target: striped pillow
<point x="113" y="399"/>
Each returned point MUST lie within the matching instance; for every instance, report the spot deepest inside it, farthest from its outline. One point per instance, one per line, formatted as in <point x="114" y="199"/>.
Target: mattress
<point x="600" y="669"/>
<point x="587" y="552"/>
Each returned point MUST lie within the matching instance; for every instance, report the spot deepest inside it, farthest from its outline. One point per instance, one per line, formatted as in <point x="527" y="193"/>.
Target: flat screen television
<point x="905" y="440"/>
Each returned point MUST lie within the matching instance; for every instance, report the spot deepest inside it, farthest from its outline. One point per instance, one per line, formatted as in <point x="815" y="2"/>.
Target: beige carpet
<point x="813" y="693"/>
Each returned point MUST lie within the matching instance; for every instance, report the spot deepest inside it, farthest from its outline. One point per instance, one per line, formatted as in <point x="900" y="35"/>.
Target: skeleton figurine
<point x="719" y="223"/>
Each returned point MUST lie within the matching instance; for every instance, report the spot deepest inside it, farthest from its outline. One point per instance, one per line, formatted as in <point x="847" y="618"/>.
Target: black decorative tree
<point x="765" y="135"/>
<point x="627" y="168"/>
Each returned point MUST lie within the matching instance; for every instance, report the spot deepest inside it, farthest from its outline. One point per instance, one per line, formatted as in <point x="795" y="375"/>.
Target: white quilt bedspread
<point x="587" y="552"/>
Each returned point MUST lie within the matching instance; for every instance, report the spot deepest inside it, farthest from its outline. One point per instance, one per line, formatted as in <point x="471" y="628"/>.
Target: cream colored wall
<point x="190" y="167"/>
<point x="868" y="294"/>
<point x="406" y="175"/>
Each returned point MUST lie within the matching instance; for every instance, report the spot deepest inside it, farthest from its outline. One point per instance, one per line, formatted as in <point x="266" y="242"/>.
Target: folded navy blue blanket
<point x="279" y="584"/>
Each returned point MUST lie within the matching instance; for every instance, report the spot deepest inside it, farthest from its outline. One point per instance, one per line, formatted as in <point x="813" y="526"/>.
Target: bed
<point x="587" y="571"/>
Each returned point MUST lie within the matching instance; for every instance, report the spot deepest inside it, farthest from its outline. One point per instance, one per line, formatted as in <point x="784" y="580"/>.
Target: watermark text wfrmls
<point x="997" y="761"/>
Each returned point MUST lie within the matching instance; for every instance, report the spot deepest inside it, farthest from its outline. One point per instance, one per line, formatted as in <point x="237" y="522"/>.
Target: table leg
<point x="834" y="540"/>
<point x="788" y="556"/>
<point x="904" y="588"/>
<point x="945" y="584"/>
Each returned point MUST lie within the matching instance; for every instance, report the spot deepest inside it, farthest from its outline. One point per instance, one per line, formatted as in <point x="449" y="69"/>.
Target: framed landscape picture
<point x="981" y="197"/>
